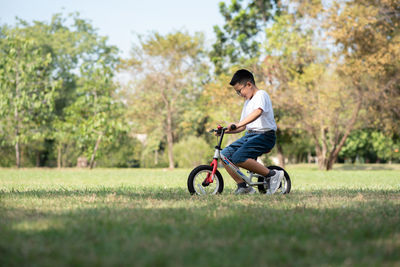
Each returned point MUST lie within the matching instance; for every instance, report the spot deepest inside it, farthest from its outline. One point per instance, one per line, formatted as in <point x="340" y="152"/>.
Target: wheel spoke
<point x="201" y="189"/>
<point x="211" y="189"/>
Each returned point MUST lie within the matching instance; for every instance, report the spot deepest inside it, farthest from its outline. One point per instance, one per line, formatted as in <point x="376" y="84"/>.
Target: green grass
<point x="134" y="217"/>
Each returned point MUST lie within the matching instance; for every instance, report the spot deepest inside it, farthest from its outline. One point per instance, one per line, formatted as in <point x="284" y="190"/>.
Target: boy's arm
<point x="241" y="126"/>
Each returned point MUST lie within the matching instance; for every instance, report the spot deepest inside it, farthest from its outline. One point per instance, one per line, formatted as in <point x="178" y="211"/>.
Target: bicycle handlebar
<point x="220" y="129"/>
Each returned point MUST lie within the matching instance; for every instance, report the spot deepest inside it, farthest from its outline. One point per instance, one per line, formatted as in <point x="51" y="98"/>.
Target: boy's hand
<point x="231" y="127"/>
<point x="216" y="133"/>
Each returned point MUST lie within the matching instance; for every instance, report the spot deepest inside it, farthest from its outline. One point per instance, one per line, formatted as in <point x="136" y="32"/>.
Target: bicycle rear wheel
<point x="197" y="177"/>
<point x="284" y="187"/>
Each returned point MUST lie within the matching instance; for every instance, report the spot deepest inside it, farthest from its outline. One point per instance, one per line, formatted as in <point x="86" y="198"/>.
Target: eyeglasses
<point x="239" y="92"/>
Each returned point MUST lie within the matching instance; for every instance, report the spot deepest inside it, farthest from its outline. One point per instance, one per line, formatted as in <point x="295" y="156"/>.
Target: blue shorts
<point x="250" y="146"/>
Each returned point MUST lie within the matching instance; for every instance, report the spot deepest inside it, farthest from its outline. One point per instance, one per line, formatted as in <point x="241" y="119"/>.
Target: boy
<point x="258" y="119"/>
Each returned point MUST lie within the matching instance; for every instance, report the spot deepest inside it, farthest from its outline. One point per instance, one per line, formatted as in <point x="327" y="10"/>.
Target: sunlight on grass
<point x="147" y="217"/>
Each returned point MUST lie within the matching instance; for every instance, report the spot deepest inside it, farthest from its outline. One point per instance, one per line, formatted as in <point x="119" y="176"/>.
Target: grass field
<point x="134" y="217"/>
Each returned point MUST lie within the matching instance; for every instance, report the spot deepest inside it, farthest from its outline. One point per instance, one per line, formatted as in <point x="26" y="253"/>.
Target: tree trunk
<point x="17" y="155"/>
<point x="330" y="162"/>
<point x="156" y="157"/>
<point x="324" y="148"/>
<point x="321" y="161"/>
<point x="37" y="159"/>
<point x="170" y="140"/>
<point x="59" y="156"/>
<point x="281" y="157"/>
<point x="349" y="127"/>
<point x="91" y="164"/>
<point x="64" y="159"/>
<point x="17" y="146"/>
<point x="318" y="151"/>
<point x="16" y="118"/>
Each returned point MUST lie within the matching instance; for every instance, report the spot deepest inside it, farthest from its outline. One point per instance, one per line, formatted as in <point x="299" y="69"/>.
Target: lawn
<point x="135" y="217"/>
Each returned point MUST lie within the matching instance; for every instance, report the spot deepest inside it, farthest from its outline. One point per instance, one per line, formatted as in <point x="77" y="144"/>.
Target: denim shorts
<point x="250" y="146"/>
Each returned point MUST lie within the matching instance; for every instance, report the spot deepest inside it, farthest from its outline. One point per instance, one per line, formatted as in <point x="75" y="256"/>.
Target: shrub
<point x="192" y="151"/>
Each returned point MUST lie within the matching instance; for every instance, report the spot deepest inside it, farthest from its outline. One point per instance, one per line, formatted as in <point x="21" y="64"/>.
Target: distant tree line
<point x="331" y="68"/>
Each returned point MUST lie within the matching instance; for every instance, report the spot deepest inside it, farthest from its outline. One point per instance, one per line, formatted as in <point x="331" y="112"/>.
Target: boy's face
<point x="243" y="90"/>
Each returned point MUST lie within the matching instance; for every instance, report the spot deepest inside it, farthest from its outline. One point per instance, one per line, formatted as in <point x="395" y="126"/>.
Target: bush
<point x="124" y="152"/>
<point x="192" y="151"/>
<point x="7" y="156"/>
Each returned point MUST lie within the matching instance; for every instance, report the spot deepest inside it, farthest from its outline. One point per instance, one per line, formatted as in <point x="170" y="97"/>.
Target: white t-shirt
<point x="266" y="121"/>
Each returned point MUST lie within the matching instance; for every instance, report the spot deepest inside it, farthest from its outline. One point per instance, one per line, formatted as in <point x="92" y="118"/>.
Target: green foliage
<point x="386" y="148"/>
<point x="58" y="98"/>
<point x="358" y="144"/>
<point x="192" y="151"/>
<point x="56" y="81"/>
<point x="122" y="152"/>
<point x="157" y="158"/>
<point x="27" y="91"/>
<point x="94" y="113"/>
<point x="297" y="146"/>
<point x="167" y="76"/>
<point x="371" y="145"/>
<point x="238" y="40"/>
<point x="368" y="38"/>
<point x="7" y="158"/>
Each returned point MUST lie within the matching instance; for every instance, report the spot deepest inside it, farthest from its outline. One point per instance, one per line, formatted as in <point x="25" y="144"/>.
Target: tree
<point x="167" y="75"/>
<point x="78" y="58"/>
<point x="312" y="97"/>
<point x="368" y="36"/>
<point x="27" y="91"/>
<point x="94" y="115"/>
<point x="85" y="63"/>
<point x="239" y="39"/>
<point x="224" y="105"/>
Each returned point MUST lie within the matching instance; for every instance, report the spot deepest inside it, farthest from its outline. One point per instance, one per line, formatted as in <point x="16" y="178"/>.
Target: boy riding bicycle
<point x="258" y="119"/>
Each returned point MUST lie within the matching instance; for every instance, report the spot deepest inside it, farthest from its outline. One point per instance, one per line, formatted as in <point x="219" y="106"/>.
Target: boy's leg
<point x="228" y="152"/>
<point x="276" y="175"/>
<point x="253" y="166"/>
<point x="255" y="146"/>
<point x="242" y="187"/>
<point x="233" y="174"/>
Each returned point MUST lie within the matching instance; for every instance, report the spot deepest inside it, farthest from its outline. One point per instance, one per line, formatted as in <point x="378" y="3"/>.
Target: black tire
<point x="285" y="182"/>
<point x="197" y="176"/>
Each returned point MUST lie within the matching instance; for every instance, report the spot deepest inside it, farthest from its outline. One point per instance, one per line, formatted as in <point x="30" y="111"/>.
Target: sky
<point x="120" y="20"/>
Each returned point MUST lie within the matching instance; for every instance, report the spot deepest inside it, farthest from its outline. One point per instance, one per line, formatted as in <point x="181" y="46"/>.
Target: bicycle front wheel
<point x="197" y="178"/>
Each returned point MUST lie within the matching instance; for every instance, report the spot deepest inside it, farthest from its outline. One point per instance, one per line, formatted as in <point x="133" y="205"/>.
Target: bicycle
<point x="207" y="180"/>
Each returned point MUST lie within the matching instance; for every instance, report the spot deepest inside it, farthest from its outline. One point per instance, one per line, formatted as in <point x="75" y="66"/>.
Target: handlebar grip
<point x="233" y="127"/>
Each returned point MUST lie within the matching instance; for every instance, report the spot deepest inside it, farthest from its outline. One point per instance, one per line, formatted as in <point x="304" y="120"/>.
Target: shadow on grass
<point x="241" y="231"/>
<point x="179" y="193"/>
<point x="126" y="191"/>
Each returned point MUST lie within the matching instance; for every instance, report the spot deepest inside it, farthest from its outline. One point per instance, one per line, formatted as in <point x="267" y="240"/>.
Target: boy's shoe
<point x="275" y="182"/>
<point x="245" y="190"/>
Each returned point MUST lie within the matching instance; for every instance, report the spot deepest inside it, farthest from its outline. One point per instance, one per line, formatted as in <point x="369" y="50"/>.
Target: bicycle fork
<point x="210" y="177"/>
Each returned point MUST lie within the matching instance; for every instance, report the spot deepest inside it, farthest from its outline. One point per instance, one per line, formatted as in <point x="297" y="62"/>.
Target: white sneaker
<point x="275" y="182"/>
<point x="245" y="190"/>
